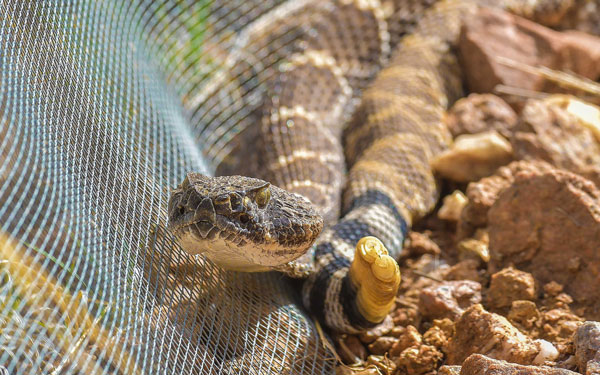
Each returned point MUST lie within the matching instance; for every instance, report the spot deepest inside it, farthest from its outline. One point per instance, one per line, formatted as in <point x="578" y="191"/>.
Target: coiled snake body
<point x="308" y="137"/>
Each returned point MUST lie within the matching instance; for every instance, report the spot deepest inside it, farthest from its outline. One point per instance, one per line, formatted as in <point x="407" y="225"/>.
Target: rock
<point x="587" y="115"/>
<point x="382" y="345"/>
<point x="449" y="299"/>
<point x="452" y="206"/>
<point x="524" y="315"/>
<point x="352" y="350"/>
<point x="473" y="156"/>
<point x="435" y="336"/>
<point x="471" y="248"/>
<point x="587" y="346"/>
<point x="405" y="315"/>
<point x="553" y="289"/>
<point x="547" y="353"/>
<point x="397" y="331"/>
<point x="543" y="221"/>
<point x="419" y="360"/>
<point x="493" y="35"/>
<point x="509" y="285"/>
<point x="478" y="331"/>
<point x="379" y="330"/>
<point x="478" y="364"/>
<point x="449" y="370"/>
<point x="465" y="270"/>
<point x="410" y="338"/>
<point x="585" y="17"/>
<point x="481" y="195"/>
<point x="592" y="173"/>
<point x="547" y="13"/>
<point x="479" y="113"/>
<point x="593" y="368"/>
<point x="420" y="243"/>
<point x="554" y="296"/>
<point x="553" y="130"/>
<point x="559" y="324"/>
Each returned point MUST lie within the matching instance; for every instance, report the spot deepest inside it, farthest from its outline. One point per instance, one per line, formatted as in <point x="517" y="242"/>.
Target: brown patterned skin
<point x="387" y="143"/>
<point x="308" y="136"/>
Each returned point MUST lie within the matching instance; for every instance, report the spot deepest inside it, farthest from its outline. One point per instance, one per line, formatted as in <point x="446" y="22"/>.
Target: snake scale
<point x="351" y="138"/>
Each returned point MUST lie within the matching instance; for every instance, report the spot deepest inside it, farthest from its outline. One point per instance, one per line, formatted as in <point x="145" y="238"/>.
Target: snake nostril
<point x="181" y="210"/>
<point x="244" y="218"/>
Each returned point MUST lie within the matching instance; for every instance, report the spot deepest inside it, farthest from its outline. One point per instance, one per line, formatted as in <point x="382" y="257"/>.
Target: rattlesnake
<point x="307" y="137"/>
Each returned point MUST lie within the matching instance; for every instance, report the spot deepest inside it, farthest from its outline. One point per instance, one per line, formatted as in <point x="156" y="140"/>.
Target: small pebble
<point x="379" y="330"/>
<point x="509" y="285"/>
<point x="449" y="299"/>
<point x="382" y="345"/>
<point x="452" y="206"/>
<point x="472" y="157"/>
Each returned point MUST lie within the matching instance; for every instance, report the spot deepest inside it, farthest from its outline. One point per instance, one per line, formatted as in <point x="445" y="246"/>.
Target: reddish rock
<point x="419" y="360"/>
<point x="449" y="299"/>
<point x="382" y="345"/>
<point x="484" y="193"/>
<point x="559" y="324"/>
<point x="478" y="331"/>
<point x="510" y="285"/>
<point x="525" y="316"/>
<point x="543" y="221"/>
<point x="548" y="131"/>
<point x="420" y="243"/>
<point x="553" y="289"/>
<point x="554" y="296"/>
<point x="410" y="338"/>
<point x="492" y="34"/>
<point x="397" y="331"/>
<point x="592" y="173"/>
<point x="478" y="113"/>
<point x="435" y="336"/>
<point x="587" y="347"/>
<point x="478" y="364"/>
<point x="379" y="330"/>
<point x="465" y="270"/>
<point x="405" y="315"/>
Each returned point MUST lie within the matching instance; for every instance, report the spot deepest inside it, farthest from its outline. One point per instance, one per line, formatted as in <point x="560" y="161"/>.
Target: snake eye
<point x="262" y="195"/>
<point x="222" y="203"/>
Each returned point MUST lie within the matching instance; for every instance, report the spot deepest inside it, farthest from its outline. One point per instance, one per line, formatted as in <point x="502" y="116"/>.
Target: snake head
<point x="241" y="223"/>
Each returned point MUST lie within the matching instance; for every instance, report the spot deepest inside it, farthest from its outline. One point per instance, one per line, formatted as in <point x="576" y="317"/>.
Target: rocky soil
<point x="504" y="277"/>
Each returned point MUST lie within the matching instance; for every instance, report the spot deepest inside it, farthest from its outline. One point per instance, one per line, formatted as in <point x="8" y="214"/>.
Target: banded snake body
<point x="328" y="108"/>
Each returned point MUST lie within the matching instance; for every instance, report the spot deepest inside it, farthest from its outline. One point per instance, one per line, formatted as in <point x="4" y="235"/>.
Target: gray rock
<point x="587" y="348"/>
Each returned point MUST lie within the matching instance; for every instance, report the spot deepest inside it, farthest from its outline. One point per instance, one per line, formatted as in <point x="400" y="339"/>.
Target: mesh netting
<point x="105" y="105"/>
